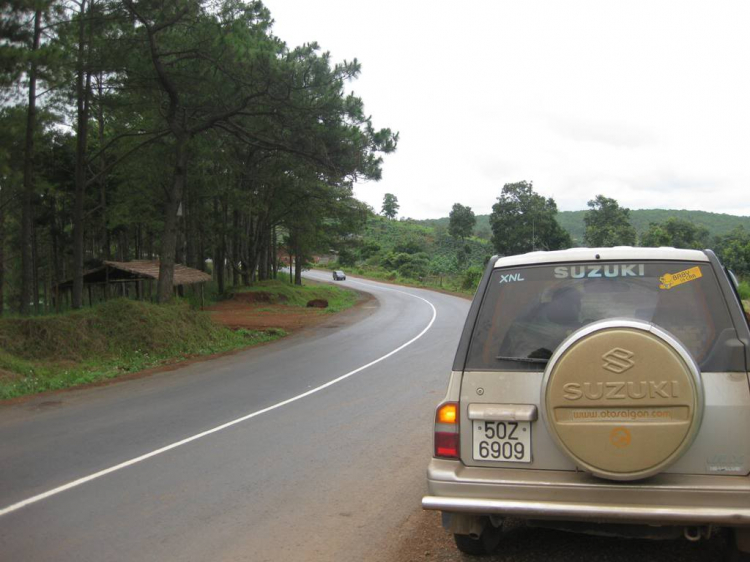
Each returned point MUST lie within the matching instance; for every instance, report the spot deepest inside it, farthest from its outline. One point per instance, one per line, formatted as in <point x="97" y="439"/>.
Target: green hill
<point x="423" y="252"/>
<point x="717" y="223"/>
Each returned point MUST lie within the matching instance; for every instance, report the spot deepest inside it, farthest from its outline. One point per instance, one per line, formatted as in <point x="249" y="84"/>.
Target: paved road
<point x="330" y="476"/>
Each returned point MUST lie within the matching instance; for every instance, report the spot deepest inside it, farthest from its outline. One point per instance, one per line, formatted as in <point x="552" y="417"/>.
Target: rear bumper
<point x="667" y="499"/>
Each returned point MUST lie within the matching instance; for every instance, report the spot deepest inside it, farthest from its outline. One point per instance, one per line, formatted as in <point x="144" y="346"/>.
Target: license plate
<point x="502" y="441"/>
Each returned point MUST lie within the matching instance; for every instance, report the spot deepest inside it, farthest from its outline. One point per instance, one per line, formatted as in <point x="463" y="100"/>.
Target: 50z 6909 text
<point x="502" y="442"/>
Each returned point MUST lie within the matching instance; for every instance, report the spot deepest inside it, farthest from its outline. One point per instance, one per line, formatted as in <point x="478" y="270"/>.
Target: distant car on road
<point x="602" y="391"/>
<point x="339" y="275"/>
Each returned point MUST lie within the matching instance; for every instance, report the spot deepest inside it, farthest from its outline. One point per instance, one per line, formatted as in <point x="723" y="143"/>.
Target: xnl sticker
<point x="510" y="277"/>
<point x="606" y="270"/>
<point x="670" y="280"/>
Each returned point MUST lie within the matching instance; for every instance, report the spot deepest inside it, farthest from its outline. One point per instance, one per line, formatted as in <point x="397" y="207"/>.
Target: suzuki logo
<point x="618" y="360"/>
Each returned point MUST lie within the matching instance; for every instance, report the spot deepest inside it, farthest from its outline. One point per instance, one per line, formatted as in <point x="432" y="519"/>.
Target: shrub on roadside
<point x="744" y="290"/>
<point x="471" y="278"/>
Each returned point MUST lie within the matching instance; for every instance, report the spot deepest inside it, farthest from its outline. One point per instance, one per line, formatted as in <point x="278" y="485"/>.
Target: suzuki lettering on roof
<point x="604" y="270"/>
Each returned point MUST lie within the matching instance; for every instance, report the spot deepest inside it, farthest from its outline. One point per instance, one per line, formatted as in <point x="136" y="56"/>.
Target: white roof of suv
<point x="617" y="253"/>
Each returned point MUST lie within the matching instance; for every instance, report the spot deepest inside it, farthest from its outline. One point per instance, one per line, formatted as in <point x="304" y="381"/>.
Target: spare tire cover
<point x="622" y="398"/>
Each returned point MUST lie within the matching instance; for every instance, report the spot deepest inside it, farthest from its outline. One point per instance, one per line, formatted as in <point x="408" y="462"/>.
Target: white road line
<point x="85" y="479"/>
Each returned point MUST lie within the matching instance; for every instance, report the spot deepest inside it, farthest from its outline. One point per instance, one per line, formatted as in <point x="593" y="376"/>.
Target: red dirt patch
<point x="317" y="303"/>
<point x="255" y="314"/>
<point x="258" y="296"/>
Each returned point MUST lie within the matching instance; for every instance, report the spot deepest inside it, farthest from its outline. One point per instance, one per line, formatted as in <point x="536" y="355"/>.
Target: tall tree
<point x="676" y="233"/>
<point x="390" y="206"/>
<point x="461" y="221"/>
<point x="82" y="94"/>
<point x="734" y="250"/>
<point x="524" y="221"/>
<point x="27" y="59"/>
<point x="206" y="69"/>
<point x="607" y="224"/>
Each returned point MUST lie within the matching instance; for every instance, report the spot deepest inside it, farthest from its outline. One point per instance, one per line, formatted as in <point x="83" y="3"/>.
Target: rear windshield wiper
<point x="523" y="359"/>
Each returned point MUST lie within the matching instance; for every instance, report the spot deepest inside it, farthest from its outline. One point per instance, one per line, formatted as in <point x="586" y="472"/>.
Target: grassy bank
<point x="123" y="336"/>
<point x="106" y="341"/>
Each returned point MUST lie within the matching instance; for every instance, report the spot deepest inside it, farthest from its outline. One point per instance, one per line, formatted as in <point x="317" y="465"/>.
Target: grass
<point x="283" y="292"/>
<point x="117" y="337"/>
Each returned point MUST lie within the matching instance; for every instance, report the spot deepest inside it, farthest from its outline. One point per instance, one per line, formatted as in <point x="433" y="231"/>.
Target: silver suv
<point x="598" y="390"/>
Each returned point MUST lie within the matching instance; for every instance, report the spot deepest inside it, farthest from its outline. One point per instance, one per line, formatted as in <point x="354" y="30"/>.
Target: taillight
<point x="446" y="431"/>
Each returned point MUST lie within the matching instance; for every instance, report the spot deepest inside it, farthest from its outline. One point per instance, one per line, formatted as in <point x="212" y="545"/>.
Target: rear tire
<point x="735" y="543"/>
<point x="487" y="542"/>
<point x="735" y="555"/>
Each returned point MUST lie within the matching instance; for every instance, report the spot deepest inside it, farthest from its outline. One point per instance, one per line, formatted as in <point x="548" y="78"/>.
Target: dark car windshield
<point x="528" y="311"/>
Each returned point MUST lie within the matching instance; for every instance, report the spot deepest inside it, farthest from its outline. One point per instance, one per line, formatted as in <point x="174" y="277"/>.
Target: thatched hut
<point x="118" y="278"/>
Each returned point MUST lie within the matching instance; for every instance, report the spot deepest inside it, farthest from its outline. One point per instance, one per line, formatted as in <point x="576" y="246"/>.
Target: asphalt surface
<point x="330" y="476"/>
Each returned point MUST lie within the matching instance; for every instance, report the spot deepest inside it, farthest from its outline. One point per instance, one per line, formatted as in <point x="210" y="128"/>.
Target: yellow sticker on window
<point x="670" y="280"/>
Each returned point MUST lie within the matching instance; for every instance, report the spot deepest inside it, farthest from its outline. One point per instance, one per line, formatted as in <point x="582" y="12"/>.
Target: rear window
<point x="528" y="311"/>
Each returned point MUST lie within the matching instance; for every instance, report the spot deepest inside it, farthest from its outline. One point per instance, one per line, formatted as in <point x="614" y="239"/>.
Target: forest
<point x="185" y="131"/>
<point x="177" y="130"/>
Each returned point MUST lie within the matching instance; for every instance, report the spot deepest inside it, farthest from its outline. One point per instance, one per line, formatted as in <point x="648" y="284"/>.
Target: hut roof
<point x="149" y="269"/>
<point x="119" y="271"/>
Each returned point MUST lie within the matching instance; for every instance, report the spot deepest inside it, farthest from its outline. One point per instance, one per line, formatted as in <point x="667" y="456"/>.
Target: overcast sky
<point x="647" y="102"/>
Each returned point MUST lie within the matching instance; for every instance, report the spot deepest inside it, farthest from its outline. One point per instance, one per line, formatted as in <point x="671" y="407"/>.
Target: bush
<point x="369" y="249"/>
<point x="347" y="257"/>
<point x="409" y="246"/>
<point x="744" y="290"/>
<point x="471" y="278"/>
<point x="412" y="266"/>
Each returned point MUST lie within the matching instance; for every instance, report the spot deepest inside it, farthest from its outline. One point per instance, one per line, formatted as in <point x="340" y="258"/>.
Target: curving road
<point x="311" y="448"/>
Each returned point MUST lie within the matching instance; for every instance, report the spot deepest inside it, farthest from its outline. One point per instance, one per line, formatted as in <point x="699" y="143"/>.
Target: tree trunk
<point x="201" y="251"/>
<point x="219" y="268"/>
<point x="235" y="251"/>
<point x="138" y="242"/>
<point x="83" y="83"/>
<point x="298" y="269"/>
<point x="2" y="252"/>
<point x="34" y="266"/>
<point x="101" y="179"/>
<point x="169" y="234"/>
<point x="191" y="237"/>
<point x="218" y="255"/>
<point x="27" y="200"/>
<point x="55" y="239"/>
<point x="248" y="263"/>
<point x="125" y="244"/>
<point x="274" y="255"/>
<point x="263" y="262"/>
